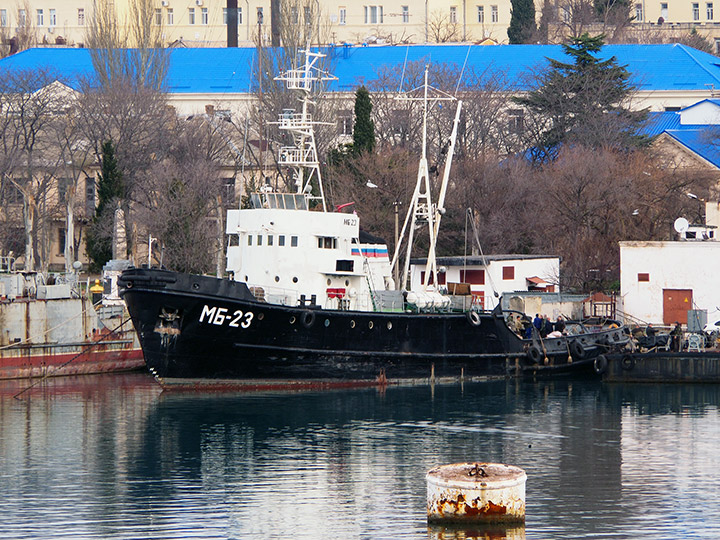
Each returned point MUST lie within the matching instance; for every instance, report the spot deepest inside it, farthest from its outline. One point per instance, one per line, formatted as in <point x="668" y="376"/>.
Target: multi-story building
<point x="201" y="23"/>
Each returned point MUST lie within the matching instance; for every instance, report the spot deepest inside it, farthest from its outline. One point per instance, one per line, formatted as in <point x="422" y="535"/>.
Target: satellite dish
<point x="681" y="225"/>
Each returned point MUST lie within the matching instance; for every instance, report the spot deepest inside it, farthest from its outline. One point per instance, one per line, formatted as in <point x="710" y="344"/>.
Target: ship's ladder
<point x="369" y="280"/>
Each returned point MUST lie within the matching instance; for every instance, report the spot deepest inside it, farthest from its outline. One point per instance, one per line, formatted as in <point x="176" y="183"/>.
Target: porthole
<point x="295" y="280"/>
<point x="196" y="286"/>
<point x="352" y="324"/>
<point x="327" y="323"/>
<point x="370" y="325"/>
<point x="292" y="320"/>
<point x="347" y="282"/>
<point x="277" y="279"/>
<point x="329" y="282"/>
<point x="246" y="278"/>
<point x="389" y="325"/>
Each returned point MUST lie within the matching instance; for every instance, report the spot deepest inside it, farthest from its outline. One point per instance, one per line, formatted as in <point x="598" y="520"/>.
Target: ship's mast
<point x="302" y="157"/>
<point x="422" y="211"/>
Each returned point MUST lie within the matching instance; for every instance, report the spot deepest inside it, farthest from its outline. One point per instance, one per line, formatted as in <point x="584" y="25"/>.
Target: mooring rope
<point x="82" y="352"/>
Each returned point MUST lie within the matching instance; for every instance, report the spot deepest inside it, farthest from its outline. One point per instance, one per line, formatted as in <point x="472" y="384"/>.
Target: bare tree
<point x="130" y="49"/>
<point x="30" y="105"/>
<point x="180" y="198"/>
<point x="442" y="29"/>
<point x="75" y="159"/>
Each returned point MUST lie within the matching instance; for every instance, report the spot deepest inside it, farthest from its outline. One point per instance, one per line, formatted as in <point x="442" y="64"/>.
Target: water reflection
<point x="478" y="533"/>
<point x="110" y="457"/>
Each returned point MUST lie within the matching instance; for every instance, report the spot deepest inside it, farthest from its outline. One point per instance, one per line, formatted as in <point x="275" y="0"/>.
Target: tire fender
<point x="600" y="364"/>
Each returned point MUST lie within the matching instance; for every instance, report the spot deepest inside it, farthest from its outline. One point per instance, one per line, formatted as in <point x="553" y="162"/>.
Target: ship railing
<point x="294" y="120"/>
<point x="291" y="155"/>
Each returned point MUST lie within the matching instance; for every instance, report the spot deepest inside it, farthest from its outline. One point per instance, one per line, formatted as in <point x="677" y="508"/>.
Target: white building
<point x="493" y="273"/>
<point x="662" y="281"/>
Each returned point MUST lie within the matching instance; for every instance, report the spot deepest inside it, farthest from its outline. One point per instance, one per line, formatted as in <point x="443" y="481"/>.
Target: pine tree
<point x="522" y="22"/>
<point x="110" y="189"/>
<point x="364" y="128"/>
<point x="584" y="102"/>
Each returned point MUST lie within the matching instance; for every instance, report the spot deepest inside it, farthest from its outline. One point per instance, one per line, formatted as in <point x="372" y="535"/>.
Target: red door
<point x="676" y="304"/>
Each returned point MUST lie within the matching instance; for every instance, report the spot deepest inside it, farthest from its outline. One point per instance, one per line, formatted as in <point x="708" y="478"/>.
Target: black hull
<point x="194" y="327"/>
<point x="661" y="367"/>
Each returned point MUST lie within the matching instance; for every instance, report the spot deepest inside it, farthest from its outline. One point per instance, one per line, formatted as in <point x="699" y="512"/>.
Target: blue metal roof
<point x="228" y="70"/>
<point x="702" y="140"/>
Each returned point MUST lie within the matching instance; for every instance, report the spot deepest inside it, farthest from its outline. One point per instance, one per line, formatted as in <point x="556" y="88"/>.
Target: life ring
<point x="308" y="319"/>
<point x="627" y="362"/>
<point x="577" y="350"/>
<point x="534" y="354"/>
<point x="473" y="317"/>
<point x="600" y="364"/>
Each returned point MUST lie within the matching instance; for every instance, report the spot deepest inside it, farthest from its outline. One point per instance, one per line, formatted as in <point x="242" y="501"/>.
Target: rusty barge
<point x="49" y="328"/>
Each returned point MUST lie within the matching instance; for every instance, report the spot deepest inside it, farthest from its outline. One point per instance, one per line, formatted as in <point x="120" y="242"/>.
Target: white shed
<point x="661" y="281"/>
<point x="493" y="273"/>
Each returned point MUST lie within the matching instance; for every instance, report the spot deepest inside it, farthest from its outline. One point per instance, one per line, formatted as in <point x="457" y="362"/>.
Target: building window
<point x="158" y="17"/>
<point x="41" y="18"/>
<point x="170" y="17"/>
<point x="664" y="11"/>
<point x="342" y="15"/>
<point x="259" y="239"/>
<point x="3" y="17"/>
<point x="474" y="277"/>
<point x="249" y="239"/>
<point x="516" y="120"/>
<point x="89" y="196"/>
<point x="441" y="278"/>
<point x="270" y="239"/>
<point x="240" y="15"/>
<point x="481" y="14"/>
<point x="22" y="17"/>
<point x="508" y="272"/>
<point x="373" y="14"/>
<point x="405" y="13"/>
<point x="453" y="14"/>
<point x="61" y="241"/>
<point x="494" y="13"/>
<point x="204" y="15"/>
<point x="344" y="122"/>
<point x="638" y="12"/>
<point x="709" y="11"/>
<point x="293" y="241"/>
<point x="53" y="18"/>
<point x="695" y="11"/>
<point x="228" y="192"/>
<point x="281" y="240"/>
<point x="81" y="17"/>
<point x="191" y="15"/>
<point x="308" y="16"/>
<point x="294" y="18"/>
<point x="260" y="16"/>
<point x="644" y="277"/>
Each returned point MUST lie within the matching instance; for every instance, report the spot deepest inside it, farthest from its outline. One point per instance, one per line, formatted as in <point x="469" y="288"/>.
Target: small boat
<point x="310" y="299"/>
<point x="50" y="329"/>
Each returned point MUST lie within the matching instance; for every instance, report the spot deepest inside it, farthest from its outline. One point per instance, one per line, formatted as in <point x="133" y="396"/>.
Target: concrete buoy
<point x="476" y="493"/>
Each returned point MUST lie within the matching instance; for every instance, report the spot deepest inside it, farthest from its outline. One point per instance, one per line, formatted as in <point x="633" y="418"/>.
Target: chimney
<point x="232" y="23"/>
<point x="210" y="110"/>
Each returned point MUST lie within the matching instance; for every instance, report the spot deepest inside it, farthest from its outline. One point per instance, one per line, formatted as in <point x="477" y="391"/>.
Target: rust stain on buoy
<point x="476" y="492"/>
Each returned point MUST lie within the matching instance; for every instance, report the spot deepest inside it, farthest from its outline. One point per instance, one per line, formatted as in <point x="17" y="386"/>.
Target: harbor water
<point x="112" y="457"/>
